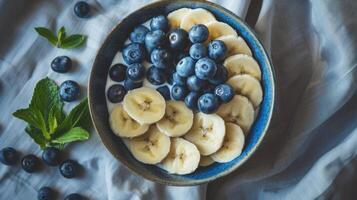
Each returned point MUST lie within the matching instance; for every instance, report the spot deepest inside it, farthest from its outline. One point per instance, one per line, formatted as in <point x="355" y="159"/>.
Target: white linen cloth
<point x="308" y="153"/>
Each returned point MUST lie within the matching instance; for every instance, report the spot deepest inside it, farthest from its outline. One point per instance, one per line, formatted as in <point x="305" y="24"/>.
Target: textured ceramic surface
<point x="99" y="112"/>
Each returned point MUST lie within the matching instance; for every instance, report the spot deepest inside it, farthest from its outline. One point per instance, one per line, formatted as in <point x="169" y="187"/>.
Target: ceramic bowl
<point x="98" y="107"/>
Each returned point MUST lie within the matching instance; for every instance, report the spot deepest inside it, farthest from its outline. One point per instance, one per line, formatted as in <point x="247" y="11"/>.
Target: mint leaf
<point x="47" y="33"/>
<point x="73" y="41"/>
<point x="61" y="35"/>
<point x="36" y="135"/>
<point x="74" y="134"/>
<point x="52" y="121"/>
<point x="33" y="117"/>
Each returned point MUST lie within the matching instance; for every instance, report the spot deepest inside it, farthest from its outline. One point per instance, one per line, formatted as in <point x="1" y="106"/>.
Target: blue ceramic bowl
<point x="98" y="107"/>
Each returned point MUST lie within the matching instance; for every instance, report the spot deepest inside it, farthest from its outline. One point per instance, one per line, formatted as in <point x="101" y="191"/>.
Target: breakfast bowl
<point x="97" y="87"/>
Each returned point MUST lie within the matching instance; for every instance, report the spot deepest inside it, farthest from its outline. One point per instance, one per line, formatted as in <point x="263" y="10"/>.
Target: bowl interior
<point x="99" y="112"/>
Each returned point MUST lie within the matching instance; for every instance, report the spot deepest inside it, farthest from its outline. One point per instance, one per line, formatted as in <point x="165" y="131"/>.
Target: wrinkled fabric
<point x="309" y="151"/>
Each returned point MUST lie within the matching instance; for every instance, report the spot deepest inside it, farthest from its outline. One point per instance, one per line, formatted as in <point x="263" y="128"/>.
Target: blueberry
<point x="198" y="33"/>
<point x="117" y="72"/>
<point x="155" y="39"/>
<point x="220" y="76"/>
<point x="69" y="91"/>
<point x="209" y="88"/>
<point x="74" y="196"/>
<point x="198" y="51"/>
<point x="138" y="34"/>
<point x="177" y="79"/>
<point x="180" y="56"/>
<point x="116" y="93"/>
<point x="8" y="156"/>
<point x="164" y="91"/>
<point x="82" y="9"/>
<point x="195" y="84"/>
<point x="224" y="92"/>
<point x="130" y="84"/>
<point x="69" y="168"/>
<point x="156" y="76"/>
<point x="205" y="68"/>
<point x="178" y="92"/>
<point x="217" y="50"/>
<point x="30" y="163"/>
<point x="61" y="64"/>
<point x="51" y="156"/>
<point x="178" y="39"/>
<point x="191" y="100"/>
<point x="135" y="72"/>
<point x="45" y="193"/>
<point x="208" y="103"/>
<point x="186" y="67"/>
<point x="134" y="53"/>
<point x="161" y="58"/>
<point x="159" y="23"/>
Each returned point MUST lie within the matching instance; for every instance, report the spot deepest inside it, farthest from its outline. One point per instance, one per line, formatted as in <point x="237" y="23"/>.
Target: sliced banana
<point x="217" y="29"/>
<point x="207" y="133"/>
<point x="247" y="86"/>
<point x="242" y="64"/>
<point x="235" y="45"/>
<point x="196" y="16"/>
<point x="177" y="120"/>
<point x="238" y="111"/>
<point x="206" y="161"/>
<point x="150" y="148"/>
<point x="175" y="17"/>
<point x="123" y="125"/>
<point x="144" y="105"/>
<point x="232" y="145"/>
<point x="183" y="157"/>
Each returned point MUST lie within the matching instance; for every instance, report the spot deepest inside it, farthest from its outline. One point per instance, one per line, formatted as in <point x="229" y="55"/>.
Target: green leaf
<point x="48" y="34"/>
<point x="36" y="135"/>
<point x="33" y="117"/>
<point x="73" y="41"/>
<point x="61" y="35"/>
<point x="74" y="134"/>
<point x="52" y="121"/>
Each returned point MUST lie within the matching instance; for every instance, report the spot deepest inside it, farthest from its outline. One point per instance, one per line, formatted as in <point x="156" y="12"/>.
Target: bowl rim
<point x="243" y="160"/>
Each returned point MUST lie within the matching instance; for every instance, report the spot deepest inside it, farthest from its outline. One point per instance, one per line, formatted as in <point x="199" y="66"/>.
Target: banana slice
<point x="206" y="161"/>
<point x="183" y="157"/>
<point x="175" y="17"/>
<point x="150" y="148"/>
<point x="196" y="16"/>
<point x="232" y="145"/>
<point x="217" y="29"/>
<point x="235" y="45"/>
<point x="238" y="111"/>
<point x="207" y="133"/>
<point x="177" y="120"/>
<point x="242" y="64"/>
<point x="123" y="125"/>
<point x="144" y="105"/>
<point x="247" y="86"/>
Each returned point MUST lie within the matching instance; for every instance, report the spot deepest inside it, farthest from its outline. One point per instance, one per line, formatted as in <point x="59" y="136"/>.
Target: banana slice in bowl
<point x="206" y="161"/>
<point x="242" y="64"/>
<point x="176" y="16"/>
<point x="196" y="16"/>
<point x="235" y="45"/>
<point x="217" y="29"/>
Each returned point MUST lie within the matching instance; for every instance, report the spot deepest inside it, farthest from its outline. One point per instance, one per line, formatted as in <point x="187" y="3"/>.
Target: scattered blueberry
<point x="159" y="23"/>
<point x="130" y="84"/>
<point x="74" y="196"/>
<point x="205" y="68"/>
<point x="178" y="92"/>
<point x="198" y="51"/>
<point x="8" y="156"/>
<point x="155" y="39"/>
<point x="198" y="33"/>
<point x="117" y="72"/>
<point x="178" y="39"/>
<point x="82" y="9"/>
<point x="69" y="168"/>
<point x="186" y="67"/>
<point x="134" y="53"/>
<point x="161" y="58"/>
<point x="164" y="91"/>
<point x="61" y="64"/>
<point x="221" y="75"/>
<point x="138" y="35"/>
<point x="195" y="84"/>
<point x="46" y="193"/>
<point x="208" y="103"/>
<point x="30" y="163"/>
<point x="191" y="100"/>
<point x="217" y="50"/>
<point x="224" y="92"/>
<point x="69" y="91"/>
<point x="116" y="93"/>
<point x="135" y="72"/>
<point x="177" y="79"/>
<point x="156" y="76"/>
<point x="51" y="156"/>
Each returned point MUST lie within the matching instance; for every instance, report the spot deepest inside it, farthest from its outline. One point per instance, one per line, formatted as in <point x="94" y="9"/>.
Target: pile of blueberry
<point x="182" y="59"/>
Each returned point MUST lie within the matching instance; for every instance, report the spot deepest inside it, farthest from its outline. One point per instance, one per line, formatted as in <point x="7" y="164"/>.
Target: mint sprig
<point x="48" y="125"/>
<point x="61" y="40"/>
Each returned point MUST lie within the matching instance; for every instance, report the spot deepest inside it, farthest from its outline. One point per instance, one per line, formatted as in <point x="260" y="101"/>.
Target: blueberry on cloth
<point x="51" y="156"/>
<point x="46" y="193"/>
<point x="69" y="168"/>
<point x="82" y="9"/>
<point x="69" y="91"/>
<point x="8" y="156"/>
<point x="30" y="163"/>
<point x="61" y="64"/>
